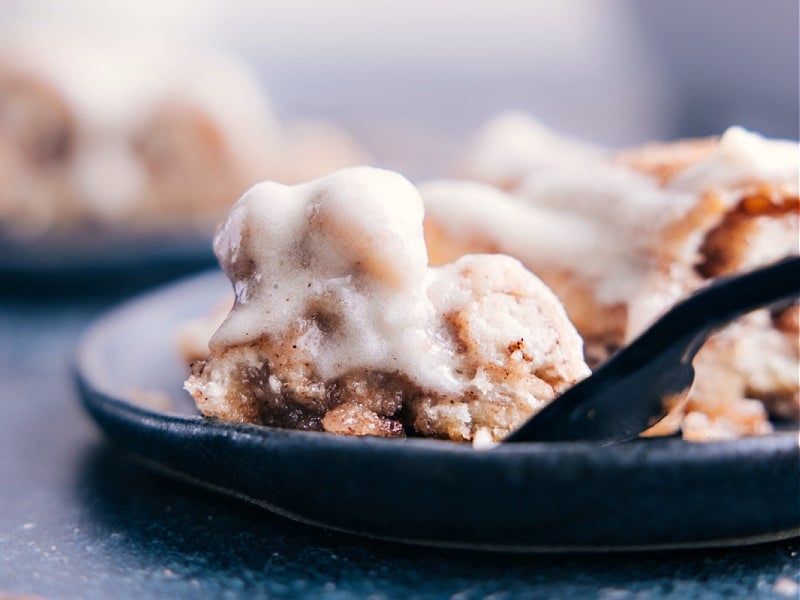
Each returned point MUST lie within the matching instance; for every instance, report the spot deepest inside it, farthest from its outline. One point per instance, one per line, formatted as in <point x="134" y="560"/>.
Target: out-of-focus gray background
<point x="414" y="79"/>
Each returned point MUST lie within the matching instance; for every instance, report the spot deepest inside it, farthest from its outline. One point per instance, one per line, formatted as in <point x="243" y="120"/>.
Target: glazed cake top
<point x="343" y="260"/>
<point x="603" y="220"/>
<point x="744" y="157"/>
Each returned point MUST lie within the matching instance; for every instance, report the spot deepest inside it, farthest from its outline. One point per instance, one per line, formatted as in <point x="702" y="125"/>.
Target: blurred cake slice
<point x="622" y="239"/>
<point x="512" y="145"/>
<point x="101" y="133"/>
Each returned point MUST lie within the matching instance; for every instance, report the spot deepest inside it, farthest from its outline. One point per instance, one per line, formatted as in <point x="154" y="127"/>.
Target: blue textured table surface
<point x="80" y="520"/>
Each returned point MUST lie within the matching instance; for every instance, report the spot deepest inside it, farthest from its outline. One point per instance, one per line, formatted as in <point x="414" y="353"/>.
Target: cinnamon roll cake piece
<point x="621" y="238"/>
<point x="340" y="324"/>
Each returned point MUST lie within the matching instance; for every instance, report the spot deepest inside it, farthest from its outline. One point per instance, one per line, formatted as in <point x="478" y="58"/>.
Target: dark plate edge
<point x="105" y="408"/>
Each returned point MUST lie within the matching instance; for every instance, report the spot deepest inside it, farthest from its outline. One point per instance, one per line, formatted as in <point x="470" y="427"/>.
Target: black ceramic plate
<point x="539" y="496"/>
<point x="115" y="260"/>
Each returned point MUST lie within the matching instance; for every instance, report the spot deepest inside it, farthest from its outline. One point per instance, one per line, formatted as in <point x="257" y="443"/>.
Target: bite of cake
<point x="340" y="324"/>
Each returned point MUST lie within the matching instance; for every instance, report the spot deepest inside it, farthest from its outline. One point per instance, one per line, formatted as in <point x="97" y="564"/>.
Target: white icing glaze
<point x="112" y="86"/>
<point x="628" y="212"/>
<point x="351" y="245"/>
<point x="743" y="157"/>
<point x="596" y="222"/>
<point x="513" y="145"/>
<point x="309" y="242"/>
<point x="109" y="178"/>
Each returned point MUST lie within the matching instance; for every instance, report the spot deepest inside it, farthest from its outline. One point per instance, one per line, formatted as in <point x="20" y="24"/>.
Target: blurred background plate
<point x="99" y="265"/>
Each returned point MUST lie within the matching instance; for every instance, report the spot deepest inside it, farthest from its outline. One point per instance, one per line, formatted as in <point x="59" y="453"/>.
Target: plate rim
<point x="103" y="404"/>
